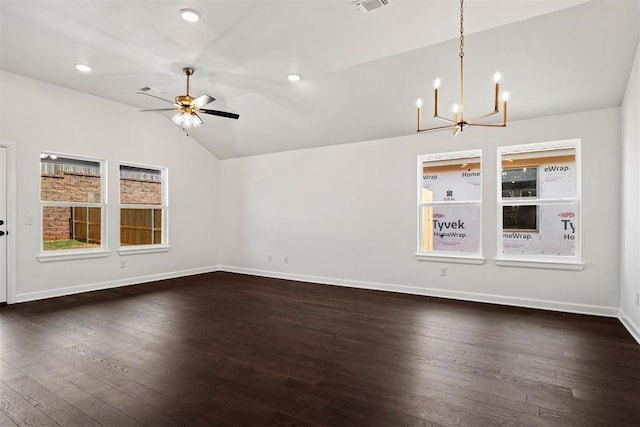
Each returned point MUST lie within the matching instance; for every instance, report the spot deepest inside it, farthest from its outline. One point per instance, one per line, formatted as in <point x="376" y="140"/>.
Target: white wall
<point x="40" y="116"/>
<point x="347" y="214"/>
<point x="630" y="237"/>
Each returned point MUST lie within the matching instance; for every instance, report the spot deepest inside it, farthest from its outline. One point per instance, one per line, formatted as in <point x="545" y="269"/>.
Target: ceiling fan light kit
<point x="188" y="107"/>
<point x="186" y="120"/>
<point x="459" y="122"/>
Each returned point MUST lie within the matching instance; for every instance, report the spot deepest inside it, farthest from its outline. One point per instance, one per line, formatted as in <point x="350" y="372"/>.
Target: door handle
<point x="2" y="233"/>
<point x="1" y="222"/>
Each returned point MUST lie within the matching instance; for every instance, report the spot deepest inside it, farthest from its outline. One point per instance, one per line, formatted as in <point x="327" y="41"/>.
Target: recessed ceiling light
<point x="293" y="77"/>
<point x="83" y="68"/>
<point x="190" y="15"/>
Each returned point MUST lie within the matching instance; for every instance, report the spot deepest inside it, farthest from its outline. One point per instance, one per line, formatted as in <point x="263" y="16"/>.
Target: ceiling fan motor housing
<point x="184" y="100"/>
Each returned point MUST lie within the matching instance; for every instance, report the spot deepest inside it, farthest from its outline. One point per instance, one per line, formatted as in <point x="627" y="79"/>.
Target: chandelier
<point x="459" y="122"/>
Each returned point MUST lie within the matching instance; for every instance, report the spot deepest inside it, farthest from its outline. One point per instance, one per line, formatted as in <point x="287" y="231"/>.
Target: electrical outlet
<point x="123" y="264"/>
<point x="443" y="271"/>
<point x="286" y="260"/>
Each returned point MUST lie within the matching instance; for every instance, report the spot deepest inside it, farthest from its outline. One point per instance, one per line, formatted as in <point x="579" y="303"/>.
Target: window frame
<point x="447" y="256"/>
<point x="72" y="254"/>
<point x="546" y="261"/>
<point x="164" y="207"/>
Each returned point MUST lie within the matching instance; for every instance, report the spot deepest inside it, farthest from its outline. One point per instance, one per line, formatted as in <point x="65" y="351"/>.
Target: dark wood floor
<point x="227" y="349"/>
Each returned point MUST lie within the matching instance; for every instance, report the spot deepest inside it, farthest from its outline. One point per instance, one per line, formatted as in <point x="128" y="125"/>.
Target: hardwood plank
<point x="584" y="410"/>
<point x="49" y="404"/>
<point x="8" y="371"/>
<point x="105" y="414"/>
<point x="5" y="421"/>
<point x="20" y="411"/>
<point x="56" y="384"/>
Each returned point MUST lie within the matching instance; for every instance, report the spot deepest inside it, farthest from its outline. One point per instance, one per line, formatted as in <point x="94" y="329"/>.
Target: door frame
<point x="12" y="219"/>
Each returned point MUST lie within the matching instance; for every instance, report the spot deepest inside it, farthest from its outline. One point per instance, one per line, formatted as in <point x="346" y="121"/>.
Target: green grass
<point x="54" y="245"/>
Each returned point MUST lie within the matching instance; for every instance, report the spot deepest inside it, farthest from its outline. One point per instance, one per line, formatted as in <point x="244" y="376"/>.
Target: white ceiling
<point x="361" y="73"/>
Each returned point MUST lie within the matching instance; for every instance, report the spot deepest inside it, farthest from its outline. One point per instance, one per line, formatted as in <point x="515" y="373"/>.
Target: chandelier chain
<point x="461" y="28"/>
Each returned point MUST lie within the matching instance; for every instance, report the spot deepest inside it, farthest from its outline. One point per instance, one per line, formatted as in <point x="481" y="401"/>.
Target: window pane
<point x="140" y="227"/>
<point x="557" y="233"/>
<point x="140" y="186"/>
<point x="451" y="180"/>
<point x="520" y="182"/>
<point x="520" y="218"/>
<point x="555" y="170"/>
<point x="66" y="227"/>
<point x="451" y="228"/>
<point x="69" y="180"/>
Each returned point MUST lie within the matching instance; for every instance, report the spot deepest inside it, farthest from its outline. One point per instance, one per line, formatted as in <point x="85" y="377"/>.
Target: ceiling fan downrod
<point x="188" y="71"/>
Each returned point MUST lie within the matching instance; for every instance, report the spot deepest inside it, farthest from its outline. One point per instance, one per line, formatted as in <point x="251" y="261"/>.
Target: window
<point x="73" y="204"/>
<point x="539" y="207"/>
<point x="143" y="207"/>
<point x="449" y="203"/>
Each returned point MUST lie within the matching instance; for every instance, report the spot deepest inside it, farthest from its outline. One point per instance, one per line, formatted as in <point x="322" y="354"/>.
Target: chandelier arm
<point x="436" y="128"/>
<point x="484" y="116"/>
<point x="488" y="125"/>
<point x="445" y="119"/>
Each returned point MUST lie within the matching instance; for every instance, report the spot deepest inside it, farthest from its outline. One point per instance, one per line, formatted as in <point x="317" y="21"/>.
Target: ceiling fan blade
<point x="202" y="100"/>
<point x="159" y="109"/>
<point x="197" y="117"/>
<point x="153" y="96"/>
<point x="219" y="113"/>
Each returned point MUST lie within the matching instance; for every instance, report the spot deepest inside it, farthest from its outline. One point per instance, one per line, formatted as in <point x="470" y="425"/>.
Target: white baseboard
<point x="434" y="292"/>
<point x="50" y="293"/>
<point x="633" y="329"/>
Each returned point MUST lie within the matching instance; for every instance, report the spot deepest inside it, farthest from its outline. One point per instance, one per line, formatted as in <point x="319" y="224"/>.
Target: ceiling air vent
<point x="366" y="6"/>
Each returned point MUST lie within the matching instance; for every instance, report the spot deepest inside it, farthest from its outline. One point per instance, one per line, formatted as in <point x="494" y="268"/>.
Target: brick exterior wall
<point x="58" y="223"/>
<point x="140" y="192"/>
<point x="70" y="187"/>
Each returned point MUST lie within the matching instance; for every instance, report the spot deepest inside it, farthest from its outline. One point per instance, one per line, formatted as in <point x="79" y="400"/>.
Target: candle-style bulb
<point x="497" y="77"/>
<point x="419" y="102"/>
<point x="456" y="108"/>
<point x="436" y="83"/>
<point x="505" y="96"/>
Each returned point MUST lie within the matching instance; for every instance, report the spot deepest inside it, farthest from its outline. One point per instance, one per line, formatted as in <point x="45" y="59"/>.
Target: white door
<point x="3" y="224"/>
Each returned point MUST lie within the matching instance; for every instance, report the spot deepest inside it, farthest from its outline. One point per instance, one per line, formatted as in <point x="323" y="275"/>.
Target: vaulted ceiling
<point x="361" y="73"/>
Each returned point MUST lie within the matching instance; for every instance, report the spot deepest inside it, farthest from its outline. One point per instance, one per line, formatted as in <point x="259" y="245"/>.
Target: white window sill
<point x="458" y="259"/>
<point x="67" y="255"/>
<point x="546" y="264"/>
<point x="139" y="250"/>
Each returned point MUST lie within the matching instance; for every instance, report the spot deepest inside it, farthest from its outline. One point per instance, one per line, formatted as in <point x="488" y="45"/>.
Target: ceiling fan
<point x="188" y="107"/>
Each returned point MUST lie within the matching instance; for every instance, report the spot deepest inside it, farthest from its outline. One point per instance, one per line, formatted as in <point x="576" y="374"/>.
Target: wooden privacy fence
<point x="85" y="224"/>
<point x="137" y="226"/>
<point x="140" y="226"/>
